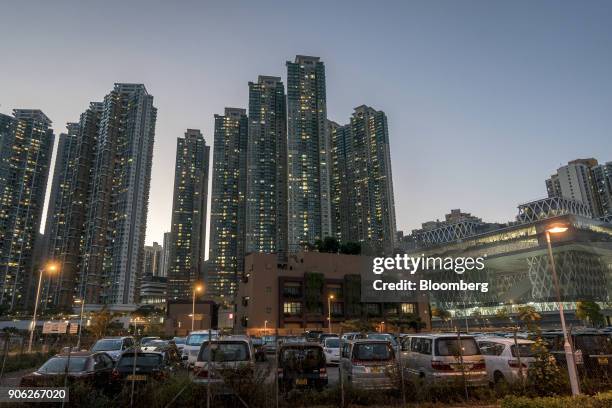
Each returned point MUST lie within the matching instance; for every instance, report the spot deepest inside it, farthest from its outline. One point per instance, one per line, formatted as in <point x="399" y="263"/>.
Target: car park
<point x="142" y="366"/>
<point x="444" y="357"/>
<point x="114" y="346"/>
<point x="193" y="343"/>
<point x="301" y="365"/>
<point x="369" y="364"/>
<point x="82" y="366"/>
<point x="220" y="354"/>
<point x="331" y="347"/>
<point x="505" y="359"/>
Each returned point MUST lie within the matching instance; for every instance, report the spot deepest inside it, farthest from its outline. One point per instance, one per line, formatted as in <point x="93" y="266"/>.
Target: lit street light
<point x="329" y="299"/>
<point x="569" y="352"/>
<point x="51" y="268"/>
<point x="82" y="302"/>
<point x="265" y="328"/>
<point x="197" y="288"/>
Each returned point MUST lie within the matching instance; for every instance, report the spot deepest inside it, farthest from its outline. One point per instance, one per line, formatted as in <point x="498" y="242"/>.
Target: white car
<point x="191" y="349"/>
<point x="331" y="347"/>
<point x="231" y="352"/>
<point x="502" y="357"/>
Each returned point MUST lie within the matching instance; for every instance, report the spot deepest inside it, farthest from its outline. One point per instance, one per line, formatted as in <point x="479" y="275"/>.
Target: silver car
<point x="444" y="357"/>
<point x="217" y="355"/>
<point x="369" y="364"/>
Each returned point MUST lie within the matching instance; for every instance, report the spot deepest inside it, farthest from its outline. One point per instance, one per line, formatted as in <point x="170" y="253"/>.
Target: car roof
<point x="79" y="354"/>
<point x="503" y="340"/>
<point x="443" y="335"/>
<point x="115" y="337"/>
<point x="300" y="343"/>
<point x="360" y="341"/>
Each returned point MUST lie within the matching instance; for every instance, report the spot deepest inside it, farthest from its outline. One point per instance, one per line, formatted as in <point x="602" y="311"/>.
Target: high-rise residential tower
<point x="165" y="258"/>
<point x="365" y="209"/>
<point x="116" y="219"/>
<point x="27" y="144"/>
<point x="266" y="206"/>
<point x="151" y="262"/>
<point x="189" y="206"/>
<point x="228" y="205"/>
<point x="308" y="157"/>
<point x="602" y="176"/>
<point x="576" y="181"/>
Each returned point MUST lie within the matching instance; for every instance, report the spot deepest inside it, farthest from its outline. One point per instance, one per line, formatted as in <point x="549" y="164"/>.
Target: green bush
<point x="603" y="400"/>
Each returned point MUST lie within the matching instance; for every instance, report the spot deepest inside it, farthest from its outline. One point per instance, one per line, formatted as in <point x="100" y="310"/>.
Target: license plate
<point x="376" y="369"/>
<point x="136" y="377"/>
<point x="602" y="360"/>
<point x="301" y="381"/>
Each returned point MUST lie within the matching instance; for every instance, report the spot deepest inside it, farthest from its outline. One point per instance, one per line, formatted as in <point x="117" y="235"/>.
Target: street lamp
<point x="329" y="299"/>
<point x="569" y="353"/>
<point x="51" y="268"/>
<point x="265" y="328"/>
<point x="197" y="288"/>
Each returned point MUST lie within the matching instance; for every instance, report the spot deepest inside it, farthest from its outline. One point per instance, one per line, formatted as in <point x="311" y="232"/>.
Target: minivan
<point x="368" y="363"/>
<point x="301" y="365"/>
<point x="193" y="343"/>
<point x="214" y="356"/>
<point x="439" y="357"/>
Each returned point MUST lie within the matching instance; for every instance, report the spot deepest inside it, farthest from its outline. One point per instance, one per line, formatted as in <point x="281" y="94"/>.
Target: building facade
<point x="189" y="209"/>
<point x="576" y="181"/>
<point x="27" y="145"/>
<point x="165" y="258"/>
<point x="304" y="292"/>
<point x="228" y="204"/>
<point x="308" y="155"/>
<point x="362" y="182"/>
<point x="152" y="262"/>
<point x="602" y="177"/>
<point x="115" y="226"/>
<point x="266" y="200"/>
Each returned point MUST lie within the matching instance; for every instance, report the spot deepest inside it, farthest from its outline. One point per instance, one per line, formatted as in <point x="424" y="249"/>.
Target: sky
<point x="484" y="99"/>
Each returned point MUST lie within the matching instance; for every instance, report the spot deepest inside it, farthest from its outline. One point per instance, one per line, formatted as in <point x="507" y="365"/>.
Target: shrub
<point x="603" y="400"/>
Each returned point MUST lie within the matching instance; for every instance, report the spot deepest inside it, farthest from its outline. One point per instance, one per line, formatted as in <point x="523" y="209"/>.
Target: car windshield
<point x="379" y="336"/>
<point x="145" y="341"/>
<point x="302" y="357"/>
<point x="372" y="352"/>
<point x="523" y="349"/>
<point x="58" y="365"/>
<point x="107" y="345"/>
<point x="332" y="342"/>
<point x="196" y="339"/>
<point x="594" y="342"/>
<point x="179" y="340"/>
<point x="224" y="351"/>
<point x="157" y="343"/>
<point x="142" y="360"/>
<point x="450" y="347"/>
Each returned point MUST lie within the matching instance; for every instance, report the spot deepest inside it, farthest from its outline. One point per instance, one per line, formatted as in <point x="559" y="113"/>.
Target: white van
<point x="438" y="358"/>
<point x="193" y="343"/>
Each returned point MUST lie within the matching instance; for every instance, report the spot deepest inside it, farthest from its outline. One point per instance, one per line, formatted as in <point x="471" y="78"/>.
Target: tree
<point x="441" y="314"/>
<point x="589" y="312"/>
<point x="101" y="320"/>
<point x="408" y="321"/>
<point x="358" y="325"/>
<point x="529" y="316"/>
<point x="329" y="244"/>
<point x="350" y="248"/>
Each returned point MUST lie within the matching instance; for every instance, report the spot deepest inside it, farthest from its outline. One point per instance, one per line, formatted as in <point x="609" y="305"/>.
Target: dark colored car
<point x="301" y="365"/>
<point x="313" y="335"/>
<point x="595" y="347"/>
<point x="143" y="366"/>
<point x="84" y="366"/>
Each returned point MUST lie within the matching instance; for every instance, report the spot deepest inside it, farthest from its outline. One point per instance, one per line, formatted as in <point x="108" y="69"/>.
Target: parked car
<point x="593" y="347"/>
<point x="385" y="336"/>
<point x="439" y="357"/>
<point x="85" y="366"/>
<point x="323" y="336"/>
<point x="258" y="347"/>
<point x="270" y="344"/>
<point x="353" y="336"/>
<point x="502" y="357"/>
<point x="146" y="340"/>
<point x="180" y="342"/>
<point x="142" y="366"/>
<point x="193" y="343"/>
<point x="369" y="364"/>
<point x="114" y="346"/>
<point x="221" y="354"/>
<point x="331" y="347"/>
<point x="301" y="365"/>
<point x="313" y="335"/>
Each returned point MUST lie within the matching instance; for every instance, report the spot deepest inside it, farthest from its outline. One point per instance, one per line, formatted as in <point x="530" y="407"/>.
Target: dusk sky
<point x="485" y="99"/>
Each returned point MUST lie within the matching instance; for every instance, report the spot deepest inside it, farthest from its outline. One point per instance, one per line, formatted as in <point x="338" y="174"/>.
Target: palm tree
<point x="589" y="312"/>
<point x="101" y="320"/>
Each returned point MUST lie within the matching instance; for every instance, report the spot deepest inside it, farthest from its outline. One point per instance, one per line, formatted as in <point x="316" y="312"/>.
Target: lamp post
<point x="82" y="302"/>
<point x="329" y="299"/>
<point x="51" y="268"/>
<point x="569" y="352"/>
<point x="197" y="288"/>
<point x="265" y="328"/>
